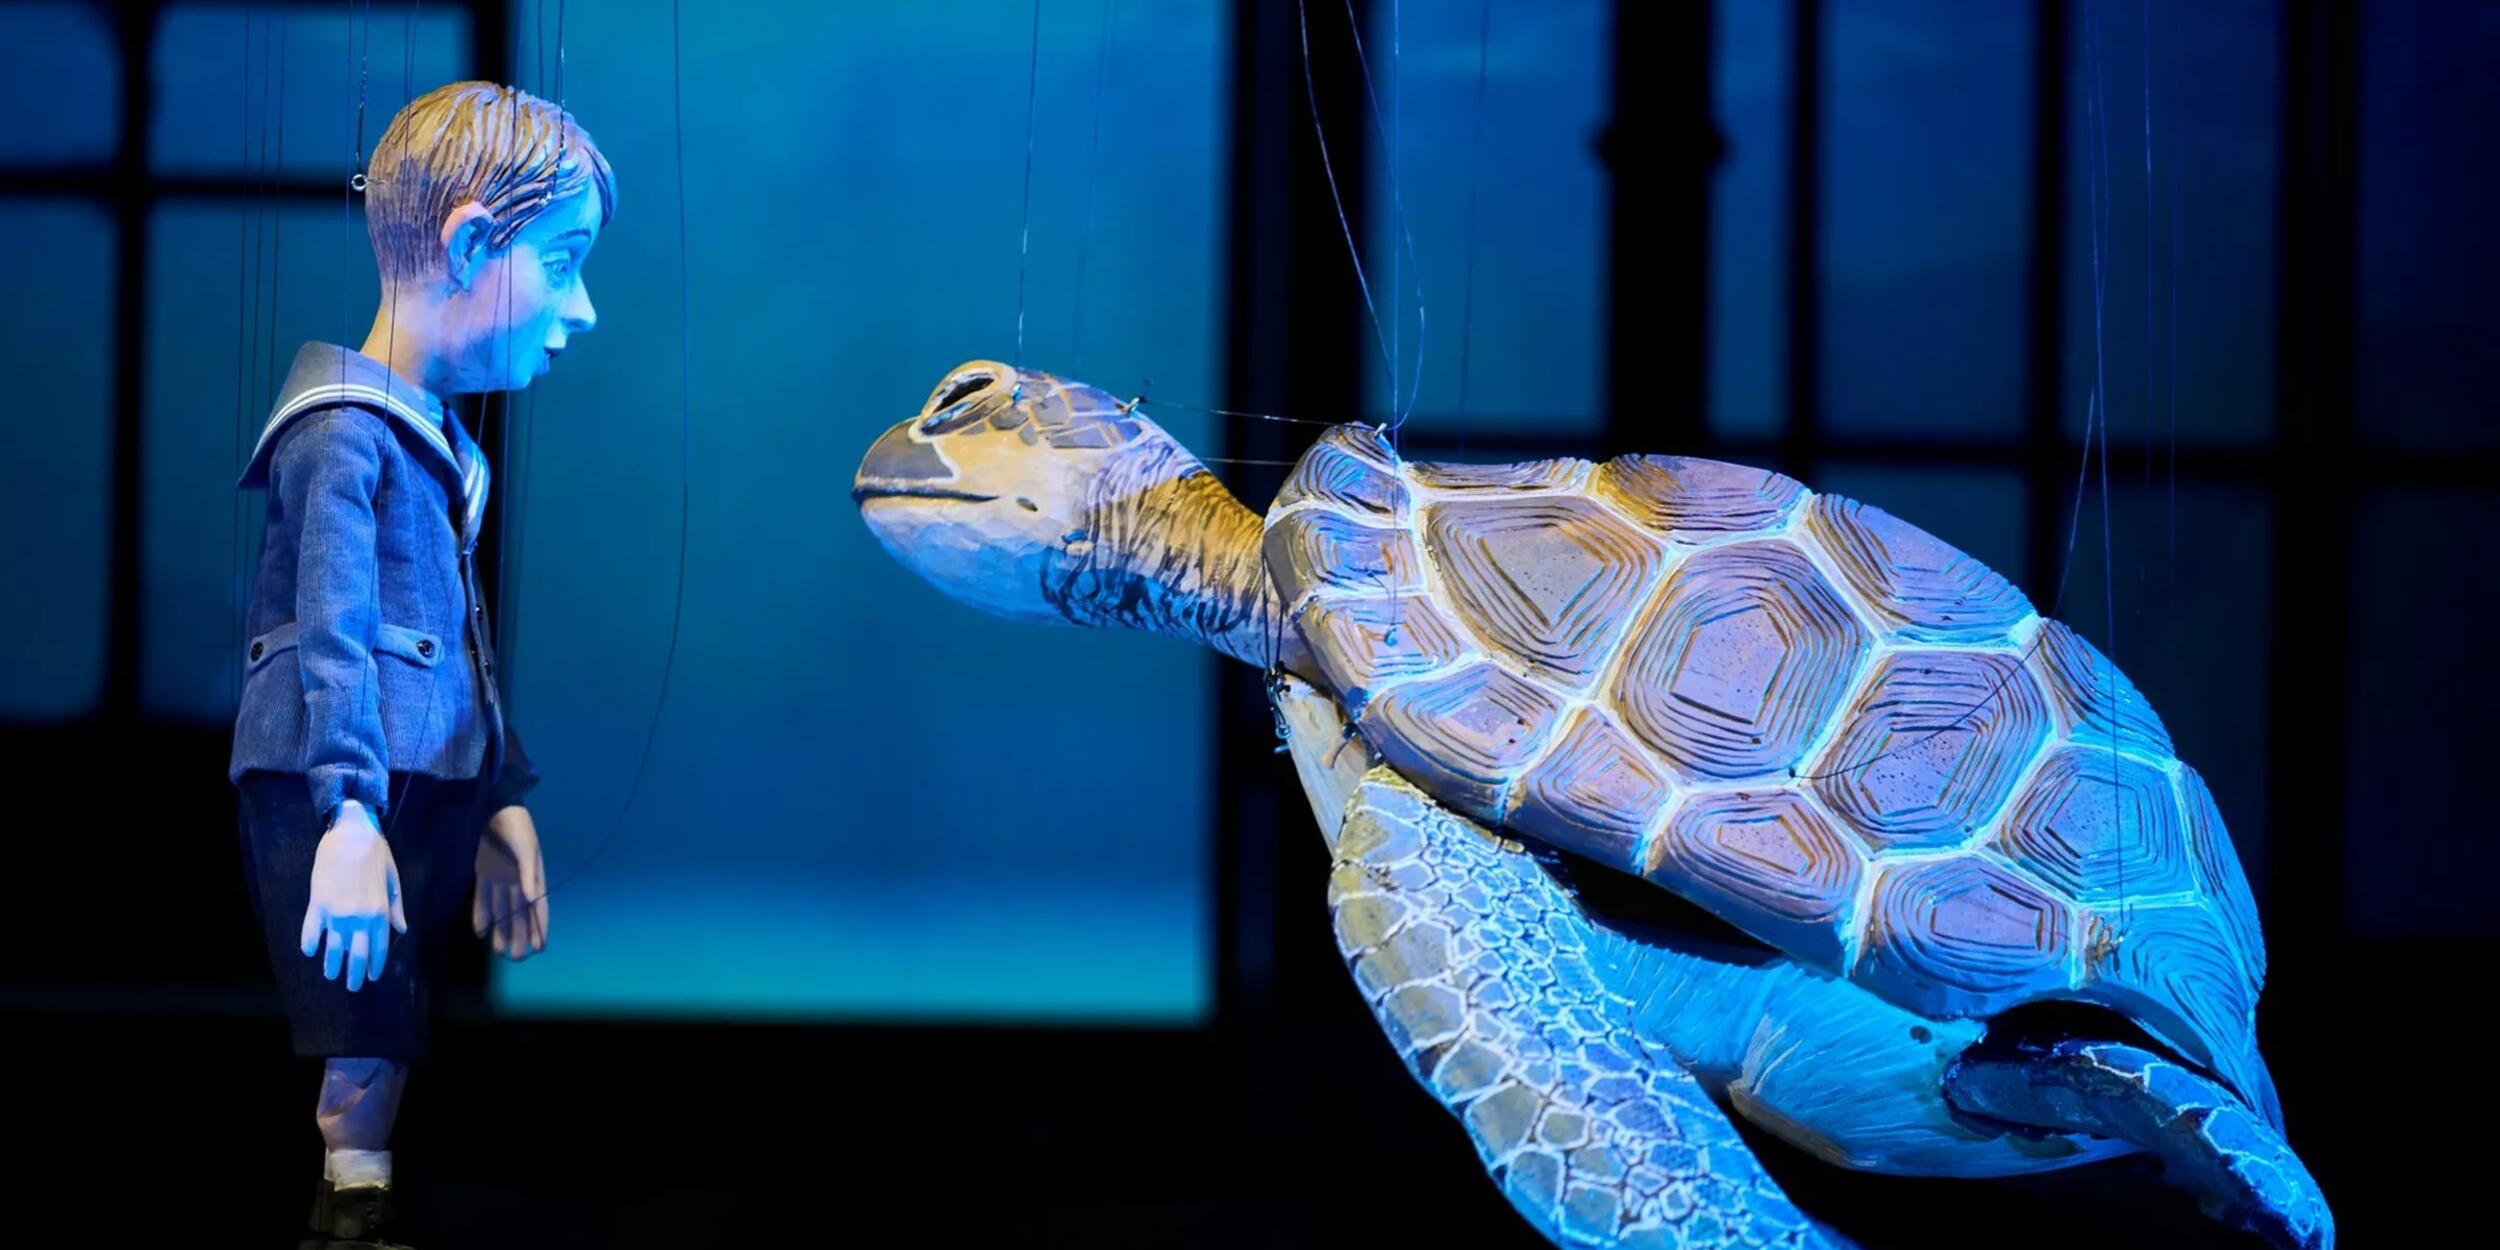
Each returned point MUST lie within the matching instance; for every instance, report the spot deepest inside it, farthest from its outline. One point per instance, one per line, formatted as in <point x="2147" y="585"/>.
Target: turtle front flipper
<point x="1481" y="971"/>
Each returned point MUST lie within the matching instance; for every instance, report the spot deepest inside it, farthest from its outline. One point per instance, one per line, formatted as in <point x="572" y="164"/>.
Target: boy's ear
<point x="465" y="234"/>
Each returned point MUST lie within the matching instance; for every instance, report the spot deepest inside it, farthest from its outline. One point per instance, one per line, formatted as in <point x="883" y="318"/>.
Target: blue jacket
<point x="369" y="649"/>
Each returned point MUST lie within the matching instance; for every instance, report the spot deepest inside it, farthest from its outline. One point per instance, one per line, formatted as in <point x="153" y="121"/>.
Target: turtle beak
<point x="898" y="465"/>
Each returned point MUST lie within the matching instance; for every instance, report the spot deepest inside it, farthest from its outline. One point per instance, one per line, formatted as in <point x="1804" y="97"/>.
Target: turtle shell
<point x="1815" y="720"/>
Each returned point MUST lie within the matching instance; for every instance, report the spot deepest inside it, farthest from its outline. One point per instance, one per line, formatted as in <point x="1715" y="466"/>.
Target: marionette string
<point x="1319" y="129"/>
<point x="1393" y="131"/>
<point x="2095" y="437"/>
<point x="1024" y="240"/>
<point x="1093" y="168"/>
<point x="1475" y="167"/>
<point x="246" y="342"/>
<point x="685" y="442"/>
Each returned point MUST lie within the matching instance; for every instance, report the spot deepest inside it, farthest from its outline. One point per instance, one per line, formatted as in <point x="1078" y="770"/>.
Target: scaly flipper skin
<point x="2235" y="1160"/>
<point x="1479" y="967"/>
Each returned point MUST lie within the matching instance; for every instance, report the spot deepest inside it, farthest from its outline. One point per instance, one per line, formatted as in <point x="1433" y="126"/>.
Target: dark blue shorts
<point x="432" y="826"/>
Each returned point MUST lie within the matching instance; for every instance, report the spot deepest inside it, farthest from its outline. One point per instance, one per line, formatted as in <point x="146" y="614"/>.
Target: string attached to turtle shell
<point x="1398" y="411"/>
<point x="1390" y="354"/>
<point x="2106" y="189"/>
<point x="2095" y="433"/>
<point x="1093" y="168"/>
<point x="1475" y="169"/>
<point x="1024" y="247"/>
<point x="1310" y="89"/>
<point x="1137" y="402"/>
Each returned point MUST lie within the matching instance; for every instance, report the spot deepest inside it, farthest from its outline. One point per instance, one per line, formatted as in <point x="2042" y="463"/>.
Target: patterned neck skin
<point x="1166" y="549"/>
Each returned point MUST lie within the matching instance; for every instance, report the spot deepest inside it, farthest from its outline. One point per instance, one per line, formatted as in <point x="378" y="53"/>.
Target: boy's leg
<point x="366" y="1036"/>
<point x="359" y="1101"/>
<point x="384" y="1019"/>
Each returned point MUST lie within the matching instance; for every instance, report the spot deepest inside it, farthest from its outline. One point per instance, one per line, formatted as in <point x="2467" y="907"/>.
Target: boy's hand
<point x="355" y="891"/>
<point x="510" y="909"/>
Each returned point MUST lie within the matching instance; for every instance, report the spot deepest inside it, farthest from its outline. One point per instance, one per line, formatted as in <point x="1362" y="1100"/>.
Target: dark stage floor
<point x="1309" y="1135"/>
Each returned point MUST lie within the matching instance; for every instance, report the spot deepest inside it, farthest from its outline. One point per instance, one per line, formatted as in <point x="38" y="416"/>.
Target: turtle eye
<point x="958" y="390"/>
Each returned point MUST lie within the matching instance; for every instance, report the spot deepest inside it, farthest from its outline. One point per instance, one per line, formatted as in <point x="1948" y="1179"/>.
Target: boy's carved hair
<point x="509" y="151"/>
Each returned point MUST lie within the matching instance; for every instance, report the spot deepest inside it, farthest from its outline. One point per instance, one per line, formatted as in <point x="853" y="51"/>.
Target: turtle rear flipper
<point x="2230" y="1155"/>
<point x="1481" y="971"/>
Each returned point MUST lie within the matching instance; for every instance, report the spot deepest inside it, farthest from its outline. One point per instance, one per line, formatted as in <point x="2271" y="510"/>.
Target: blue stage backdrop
<point x="864" y="799"/>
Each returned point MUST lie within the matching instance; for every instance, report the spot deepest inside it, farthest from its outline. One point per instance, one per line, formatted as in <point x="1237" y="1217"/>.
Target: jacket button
<point x="256" y="649"/>
<point x="425" y="647"/>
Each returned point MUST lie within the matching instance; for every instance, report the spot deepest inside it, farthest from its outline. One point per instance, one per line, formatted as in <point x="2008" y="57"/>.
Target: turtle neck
<point x="1168" y="550"/>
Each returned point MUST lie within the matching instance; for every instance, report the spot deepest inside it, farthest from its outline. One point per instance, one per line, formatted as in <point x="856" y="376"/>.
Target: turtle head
<point x="993" y="490"/>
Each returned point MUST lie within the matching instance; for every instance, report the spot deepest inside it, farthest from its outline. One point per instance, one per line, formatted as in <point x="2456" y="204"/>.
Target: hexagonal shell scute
<point x="1932" y="746"/>
<point x="1922" y="587"/>
<point x="1741" y="664"/>
<point x="1694" y="500"/>
<point x="1361" y="643"/>
<point x="1321" y="550"/>
<point x="1767" y="862"/>
<point x="1549" y="579"/>
<point x="2224" y="881"/>
<point x="1562" y="473"/>
<point x="2094" y="700"/>
<point x="1333" y="471"/>
<point x="2173" y="968"/>
<point x="1464" y="736"/>
<point x="1964" y="936"/>
<point x="1594" y="793"/>
<point x="2098" y="826"/>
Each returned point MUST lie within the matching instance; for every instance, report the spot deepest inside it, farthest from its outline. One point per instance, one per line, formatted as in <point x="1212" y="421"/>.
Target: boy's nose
<point x="579" y="316"/>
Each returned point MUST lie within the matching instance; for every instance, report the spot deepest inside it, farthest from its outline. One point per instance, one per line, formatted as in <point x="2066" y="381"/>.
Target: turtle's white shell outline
<point x="2187" y="962"/>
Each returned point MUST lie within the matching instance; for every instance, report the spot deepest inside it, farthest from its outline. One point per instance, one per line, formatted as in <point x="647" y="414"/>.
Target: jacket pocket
<point x="413" y="645"/>
<point x="269" y="646"/>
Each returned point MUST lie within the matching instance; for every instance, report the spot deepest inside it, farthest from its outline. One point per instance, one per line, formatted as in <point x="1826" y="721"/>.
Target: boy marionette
<point x="373" y="764"/>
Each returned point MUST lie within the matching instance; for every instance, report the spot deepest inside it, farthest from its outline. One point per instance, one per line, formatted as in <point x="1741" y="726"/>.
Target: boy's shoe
<point x="355" y="1218"/>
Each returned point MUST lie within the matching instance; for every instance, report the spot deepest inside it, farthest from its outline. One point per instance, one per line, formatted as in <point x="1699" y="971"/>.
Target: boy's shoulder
<point x="349" y="395"/>
<point x="330" y="430"/>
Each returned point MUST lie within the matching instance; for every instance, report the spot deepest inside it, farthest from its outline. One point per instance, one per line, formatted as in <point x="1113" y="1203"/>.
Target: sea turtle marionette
<point x="1662" y="788"/>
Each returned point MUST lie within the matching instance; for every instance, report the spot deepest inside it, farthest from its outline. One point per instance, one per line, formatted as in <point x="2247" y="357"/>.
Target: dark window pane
<point x="1749" y="221"/>
<point x="939" y="814"/>
<point x="205" y="404"/>
<point x="2191" y="623"/>
<point x="306" y="68"/>
<point x="2428" y="264"/>
<point x="56" y="457"/>
<point x="1534" y="341"/>
<point x="60" y="83"/>
<point x="2184" y="329"/>
<point x="2419" y="856"/>
<point x="1926" y="129"/>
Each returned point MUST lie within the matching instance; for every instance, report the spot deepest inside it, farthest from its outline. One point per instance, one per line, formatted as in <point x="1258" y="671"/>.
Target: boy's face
<point x="525" y="303"/>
